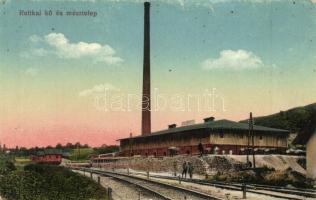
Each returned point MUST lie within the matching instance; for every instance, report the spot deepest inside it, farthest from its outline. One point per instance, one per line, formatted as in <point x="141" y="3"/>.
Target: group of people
<point x="187" y="168"/>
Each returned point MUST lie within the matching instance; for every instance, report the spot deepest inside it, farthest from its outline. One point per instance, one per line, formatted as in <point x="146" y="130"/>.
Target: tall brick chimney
<point x="146" y="115"/>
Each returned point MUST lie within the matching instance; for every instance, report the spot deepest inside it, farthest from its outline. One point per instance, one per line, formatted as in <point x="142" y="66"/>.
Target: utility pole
<point x="78" y="151"/>
<point x="253" y="141"/>
<point x="248" y="138"/>
<point x="130" y="144"/>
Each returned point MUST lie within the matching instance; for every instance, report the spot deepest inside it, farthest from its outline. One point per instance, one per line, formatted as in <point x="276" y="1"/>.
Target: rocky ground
<point x="210" y="164"/>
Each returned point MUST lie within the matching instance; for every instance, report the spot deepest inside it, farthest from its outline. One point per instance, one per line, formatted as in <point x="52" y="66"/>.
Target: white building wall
<point x="311" y="157"/>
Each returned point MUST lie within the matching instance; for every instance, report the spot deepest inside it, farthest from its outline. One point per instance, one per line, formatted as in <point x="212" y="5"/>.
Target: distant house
<point x="47" y="156"/>
<point x="308" y="137"/>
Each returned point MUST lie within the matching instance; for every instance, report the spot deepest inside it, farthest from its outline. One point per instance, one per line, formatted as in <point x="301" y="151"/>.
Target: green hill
<point x="293" y="119"/>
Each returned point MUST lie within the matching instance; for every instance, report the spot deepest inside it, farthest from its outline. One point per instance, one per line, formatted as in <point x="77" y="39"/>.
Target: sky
<point x="68" y="78"/>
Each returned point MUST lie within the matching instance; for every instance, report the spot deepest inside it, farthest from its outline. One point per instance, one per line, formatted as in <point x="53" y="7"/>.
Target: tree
<point x="59" y="146"/>
<point x="77" y="144"/>
<point x="69" y="145"/>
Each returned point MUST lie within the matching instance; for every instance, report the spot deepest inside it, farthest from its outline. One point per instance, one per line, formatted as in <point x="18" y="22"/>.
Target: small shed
<point x="47" y="156"/>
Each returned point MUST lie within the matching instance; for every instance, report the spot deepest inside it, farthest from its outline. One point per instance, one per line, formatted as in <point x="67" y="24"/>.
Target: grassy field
<point x="22" y="160"/>
<point x="80" y="154"/>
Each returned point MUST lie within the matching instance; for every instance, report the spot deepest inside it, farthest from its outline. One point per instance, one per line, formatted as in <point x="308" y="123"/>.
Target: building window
<point x="260" y="137"/>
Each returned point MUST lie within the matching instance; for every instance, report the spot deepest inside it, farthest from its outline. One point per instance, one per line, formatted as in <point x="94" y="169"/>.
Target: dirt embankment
<point x="277" y="162"/>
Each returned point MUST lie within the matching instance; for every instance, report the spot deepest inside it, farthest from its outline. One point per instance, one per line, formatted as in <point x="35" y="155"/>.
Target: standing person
<point x="175" y="168"/>
<point x="184" y="169"/>
<point x="201" y="149"/>
<point x="190" y="169"/>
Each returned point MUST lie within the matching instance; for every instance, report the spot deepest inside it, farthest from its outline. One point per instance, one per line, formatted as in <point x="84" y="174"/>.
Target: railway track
<point x="254" y="188"/>
<point x="273" y="191"/>
<point x="162" y="190"/>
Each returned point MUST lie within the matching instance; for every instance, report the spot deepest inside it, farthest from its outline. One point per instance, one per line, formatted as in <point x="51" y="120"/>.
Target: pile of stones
<point x="202" y="165"/>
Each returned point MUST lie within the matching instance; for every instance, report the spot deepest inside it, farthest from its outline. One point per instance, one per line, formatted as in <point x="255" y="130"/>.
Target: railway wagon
<point x="106" y="162"/>
<point x="77" y="165"/>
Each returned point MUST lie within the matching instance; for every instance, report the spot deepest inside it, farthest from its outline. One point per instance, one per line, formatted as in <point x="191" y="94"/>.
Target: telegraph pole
<point x="248" y="138"/>
<point x="130" y="144"/>
<point x="253" y="141"/>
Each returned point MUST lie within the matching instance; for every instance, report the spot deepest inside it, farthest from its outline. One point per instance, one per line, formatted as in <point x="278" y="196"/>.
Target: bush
<point x="6" y="165"/>
<point x="48" y="183"/>
<point x="241" y="176"/>
<point x="21" y="185"/>
<point x="284" y="178"/>
<point x="65" y="184"/>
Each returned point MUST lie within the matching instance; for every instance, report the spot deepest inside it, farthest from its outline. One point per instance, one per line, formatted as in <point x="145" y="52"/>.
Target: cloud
<point x="35" y="52"/>
<point x="235" y="60"/>
<point x="31" y="71"/>
<point x="57" y="44"/>
<point x="97" y="89"/>
<point x="35" y="39"/>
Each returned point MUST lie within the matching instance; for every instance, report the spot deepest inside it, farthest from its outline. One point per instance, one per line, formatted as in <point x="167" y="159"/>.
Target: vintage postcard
<point x="157" y="99"/>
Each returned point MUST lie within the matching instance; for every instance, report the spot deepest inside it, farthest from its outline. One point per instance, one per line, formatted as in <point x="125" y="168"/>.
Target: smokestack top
<point x="146" y="3"/>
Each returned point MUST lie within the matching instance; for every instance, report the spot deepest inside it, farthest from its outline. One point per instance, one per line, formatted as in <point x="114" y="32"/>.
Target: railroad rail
<point x="254" y="188"/>
<point x="273" y="191"/>
<point x="162" y="190"/>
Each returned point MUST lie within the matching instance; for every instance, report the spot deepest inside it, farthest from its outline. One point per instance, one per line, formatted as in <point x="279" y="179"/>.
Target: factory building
<point x="215" y="136"/>
<point x="218" y="137"/>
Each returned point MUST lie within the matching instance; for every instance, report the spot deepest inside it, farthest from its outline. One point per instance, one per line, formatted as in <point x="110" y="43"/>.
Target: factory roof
<point x="223" y="124"/>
